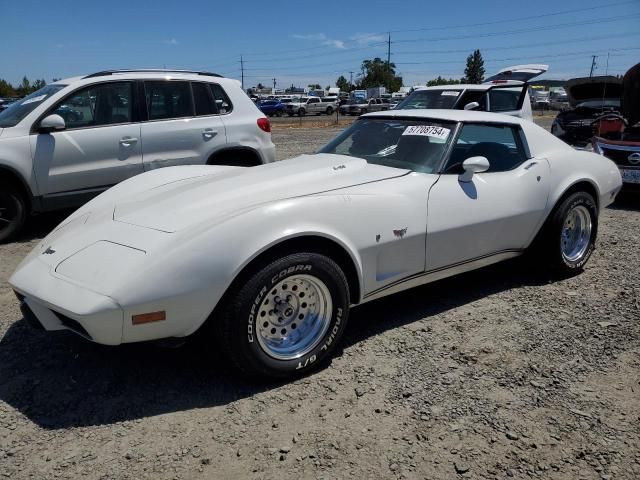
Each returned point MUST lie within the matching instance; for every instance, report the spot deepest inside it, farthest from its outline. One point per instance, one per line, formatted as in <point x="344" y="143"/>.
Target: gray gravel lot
<point x="506" y="372"/>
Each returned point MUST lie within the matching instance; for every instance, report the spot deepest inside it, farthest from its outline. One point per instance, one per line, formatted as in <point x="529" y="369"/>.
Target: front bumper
<point x="53" y="304"/>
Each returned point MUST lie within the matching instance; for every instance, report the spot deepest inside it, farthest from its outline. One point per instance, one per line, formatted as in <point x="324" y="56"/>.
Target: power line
<point x="518" y="19"/>
<point x="524" y="30"/>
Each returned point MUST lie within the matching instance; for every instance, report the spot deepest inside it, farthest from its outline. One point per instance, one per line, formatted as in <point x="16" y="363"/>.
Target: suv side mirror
<point x="471" y="106"/>
<point x="52" y="123"/>
<point x="473" y="165"/>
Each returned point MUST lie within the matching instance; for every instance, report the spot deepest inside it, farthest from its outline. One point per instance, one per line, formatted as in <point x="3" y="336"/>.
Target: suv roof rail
<point x="150" y="70"/>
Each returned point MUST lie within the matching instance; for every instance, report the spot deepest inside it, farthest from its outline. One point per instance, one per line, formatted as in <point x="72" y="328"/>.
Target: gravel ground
<point x="503" y="372"/>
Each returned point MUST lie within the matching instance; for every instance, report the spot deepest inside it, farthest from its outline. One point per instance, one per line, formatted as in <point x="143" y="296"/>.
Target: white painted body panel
<point x="174" y="239"/>
<point x="86" y="158"/>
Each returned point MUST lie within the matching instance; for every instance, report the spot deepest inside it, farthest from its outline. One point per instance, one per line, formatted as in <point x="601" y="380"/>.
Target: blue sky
<point x="301" y="42"/>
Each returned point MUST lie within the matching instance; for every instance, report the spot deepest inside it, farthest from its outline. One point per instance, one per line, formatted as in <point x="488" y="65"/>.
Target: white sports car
<point x="272" y="257"/>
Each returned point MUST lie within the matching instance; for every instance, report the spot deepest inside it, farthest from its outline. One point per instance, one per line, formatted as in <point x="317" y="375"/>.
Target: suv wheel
<point x="301" y="112"/>
<point x="13" y="211"/>
<point x="329" y="110"/>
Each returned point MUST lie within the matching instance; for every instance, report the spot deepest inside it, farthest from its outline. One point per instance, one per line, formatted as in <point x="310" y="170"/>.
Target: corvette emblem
<point x="400" y="233"/>
<point x="634" y="158"/>
<point x="49" y="251"/>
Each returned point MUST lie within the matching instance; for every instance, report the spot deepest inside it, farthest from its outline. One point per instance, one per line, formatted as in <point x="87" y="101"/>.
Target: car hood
<point x="593" y="88"/>
<point x="631" y="95"/>
<point x="210" y="199"/>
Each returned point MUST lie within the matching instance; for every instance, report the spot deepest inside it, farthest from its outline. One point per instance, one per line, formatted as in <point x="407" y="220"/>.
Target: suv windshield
<point x="20" y="109"/>
<point x="430" y="99"/>
<point x="411" y="144"/>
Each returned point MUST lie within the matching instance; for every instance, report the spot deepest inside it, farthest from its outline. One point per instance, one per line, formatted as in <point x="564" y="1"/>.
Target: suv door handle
<point x="128" y="141"/>
<point x="209" y="133"/>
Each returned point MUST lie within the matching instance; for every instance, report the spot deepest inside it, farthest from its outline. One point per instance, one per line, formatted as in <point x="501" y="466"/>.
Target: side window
<point x="504" y="99"/>
<point x="473" y="96"/>
<point x="97" y="105"/>
<point x="166" y="99"/>
<point x="222" y="99"/>
<point x="314" y="100"/>
<point x="500" y="144"/>
<point x="203" y="98"/>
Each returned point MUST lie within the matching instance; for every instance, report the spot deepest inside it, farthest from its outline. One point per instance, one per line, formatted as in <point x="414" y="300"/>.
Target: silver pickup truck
<point x="315" y="105"/>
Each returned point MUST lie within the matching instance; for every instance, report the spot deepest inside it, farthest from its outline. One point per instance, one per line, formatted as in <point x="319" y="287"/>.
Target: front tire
<point x="302" y="112"/>
<point x="568" y="239"/>
<point x="287" y="317"/>
<point x="13" y="211"/>
<point x="329" y="110"/>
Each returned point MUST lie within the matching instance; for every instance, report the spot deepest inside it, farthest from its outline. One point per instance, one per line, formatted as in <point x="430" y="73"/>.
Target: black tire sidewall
<point x="574" y="200"/>
<point x="21" y="217"/>
<point x="241" y="331"/>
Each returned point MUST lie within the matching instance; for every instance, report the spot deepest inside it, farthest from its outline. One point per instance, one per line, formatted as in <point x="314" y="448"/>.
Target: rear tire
<point x="13" y="211"/>
<point x="301" y="112"/>
<point x="567" y="240"/>
<point x="286" y="317"/>
<point x="329" y="110"/>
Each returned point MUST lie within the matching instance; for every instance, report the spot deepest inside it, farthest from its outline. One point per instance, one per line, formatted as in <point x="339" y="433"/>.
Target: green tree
<point x="343" y="84"/>
<point x="6" y="89"/>
<point x="314" y="86"/>
<point x="260" y="86"/>
<point x="474" y="72"/>
<point x="38" y="84"/>
<point x="376" y="73"/>
<point x="442" y="81"/>
<point x="24" y="88"/>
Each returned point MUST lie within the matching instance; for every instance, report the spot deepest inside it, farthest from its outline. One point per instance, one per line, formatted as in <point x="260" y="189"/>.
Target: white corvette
<point x="274" y="256"/>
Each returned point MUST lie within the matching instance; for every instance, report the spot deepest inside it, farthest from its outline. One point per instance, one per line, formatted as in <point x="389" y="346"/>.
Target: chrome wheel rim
<point x="576" y="233"/>
<point x="294" y="317"/>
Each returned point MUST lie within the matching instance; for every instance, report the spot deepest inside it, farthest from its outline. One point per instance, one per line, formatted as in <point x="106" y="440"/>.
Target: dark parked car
<point x="617" y="136"/>
<point x="589" y="99"/>
<point x="271" y="107"/>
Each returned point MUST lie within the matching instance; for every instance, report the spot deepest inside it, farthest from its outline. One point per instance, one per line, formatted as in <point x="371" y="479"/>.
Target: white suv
<point x="74" y="138"/>
<point x="506" y="92"/>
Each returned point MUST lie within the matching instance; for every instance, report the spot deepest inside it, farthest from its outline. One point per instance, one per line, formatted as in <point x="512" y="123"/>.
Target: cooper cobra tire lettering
<point x="252" y="317"/>
<point x="292" y="269"/>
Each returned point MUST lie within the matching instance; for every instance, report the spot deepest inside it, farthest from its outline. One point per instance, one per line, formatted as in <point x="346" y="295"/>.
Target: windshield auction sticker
<point x="450" y="93"/>
<point x="427" y="131"/>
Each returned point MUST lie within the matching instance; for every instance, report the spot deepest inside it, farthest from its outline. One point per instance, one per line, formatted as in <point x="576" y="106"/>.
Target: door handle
<point x="128" y="141"/>
<point x="209" y="133"/>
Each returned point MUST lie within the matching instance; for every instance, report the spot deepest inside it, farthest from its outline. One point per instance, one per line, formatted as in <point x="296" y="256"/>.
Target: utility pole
<point x="242" y="71"/>
<point x="351" y="79"/>
<point x="389" y="53"/>
<point x="274" y="85"/>
<point x="593" y="65"/>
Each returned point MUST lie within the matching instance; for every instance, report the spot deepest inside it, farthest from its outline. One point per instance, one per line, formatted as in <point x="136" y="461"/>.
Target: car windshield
<point x="412" y="144"/>
<point x="20" y="109"/>
<point x="600" y="104"/>
<point x="430" y="99"/>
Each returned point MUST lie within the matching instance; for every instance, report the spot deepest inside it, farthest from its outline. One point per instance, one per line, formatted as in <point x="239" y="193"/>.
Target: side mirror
<point x="473" y="165"/>
<point x="471" y="106"/>
<point x="52" y="123"/>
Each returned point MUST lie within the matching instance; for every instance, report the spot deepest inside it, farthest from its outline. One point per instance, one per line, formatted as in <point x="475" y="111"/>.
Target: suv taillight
<point x="264" y="124"/>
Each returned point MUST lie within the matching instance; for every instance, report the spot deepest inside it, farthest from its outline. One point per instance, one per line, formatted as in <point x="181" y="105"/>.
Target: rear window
<point x="166" y="100"/>
<point x="222" y="99"/>
<point x="430" y="99"/>
<point x="504" y="99"/>
<point x="203" y="98"/>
